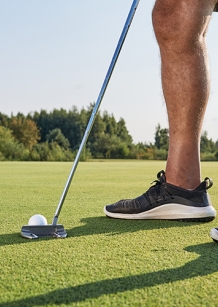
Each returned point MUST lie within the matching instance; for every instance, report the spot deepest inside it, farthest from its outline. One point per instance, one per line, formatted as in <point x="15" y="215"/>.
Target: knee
<point x="164" y="28"/>
<point x="176" y="28"/>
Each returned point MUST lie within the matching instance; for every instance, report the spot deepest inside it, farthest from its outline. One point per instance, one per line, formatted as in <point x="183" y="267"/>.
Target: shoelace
<point x="155" y="191"/>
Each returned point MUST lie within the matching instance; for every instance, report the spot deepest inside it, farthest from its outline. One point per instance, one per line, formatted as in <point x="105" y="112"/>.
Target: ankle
<point x="183" y="179"/>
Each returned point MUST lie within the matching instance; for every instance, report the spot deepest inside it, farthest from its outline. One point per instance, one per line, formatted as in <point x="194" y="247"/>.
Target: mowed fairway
<point x="103" y="261"/>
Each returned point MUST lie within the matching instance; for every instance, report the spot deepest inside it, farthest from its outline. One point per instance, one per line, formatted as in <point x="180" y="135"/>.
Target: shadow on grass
<point x="101" y="225"/>
<point x="110" y="226"/>
<point x="205" y="264"/>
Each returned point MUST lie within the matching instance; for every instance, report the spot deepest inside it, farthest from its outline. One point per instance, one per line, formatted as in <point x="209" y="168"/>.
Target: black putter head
<point x="39" y="231"/>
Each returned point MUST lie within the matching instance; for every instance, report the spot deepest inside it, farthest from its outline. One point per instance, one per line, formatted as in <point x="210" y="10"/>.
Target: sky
<point x="55" y="54"/>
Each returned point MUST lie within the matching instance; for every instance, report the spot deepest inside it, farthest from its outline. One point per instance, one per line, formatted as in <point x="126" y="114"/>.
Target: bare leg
<point x="180" y="27"/>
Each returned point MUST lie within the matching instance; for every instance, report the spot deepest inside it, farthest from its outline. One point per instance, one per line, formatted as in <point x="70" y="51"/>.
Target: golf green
<point x="103" y="261"/>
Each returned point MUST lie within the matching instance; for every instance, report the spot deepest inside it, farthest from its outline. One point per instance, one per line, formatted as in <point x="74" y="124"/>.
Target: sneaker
<point x="167" y="202"/>
<point x="214" y="234"/>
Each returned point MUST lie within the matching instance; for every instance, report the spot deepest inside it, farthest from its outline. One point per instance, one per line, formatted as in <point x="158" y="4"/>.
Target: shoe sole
<point x="170" y="212"/>
<point x="214" y="234"/>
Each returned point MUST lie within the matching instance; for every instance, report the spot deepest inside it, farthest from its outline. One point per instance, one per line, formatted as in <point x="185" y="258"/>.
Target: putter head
<point x="39" y="231"/>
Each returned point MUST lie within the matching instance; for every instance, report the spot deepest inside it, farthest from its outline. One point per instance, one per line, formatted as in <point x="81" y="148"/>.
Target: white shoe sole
<point x="169" y="212"/>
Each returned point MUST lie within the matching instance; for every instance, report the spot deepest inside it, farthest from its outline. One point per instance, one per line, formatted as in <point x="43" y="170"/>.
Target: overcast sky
<point x="55" y="54"/>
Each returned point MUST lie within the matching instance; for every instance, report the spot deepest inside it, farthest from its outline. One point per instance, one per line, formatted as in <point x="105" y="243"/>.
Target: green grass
<point x="103" y="262"/>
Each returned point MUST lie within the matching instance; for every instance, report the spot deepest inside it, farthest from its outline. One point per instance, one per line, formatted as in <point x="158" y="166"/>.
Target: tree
<point x="161" y="138"/>
<point x="122" y="132"/>
<point x="72" y="124"/>
<point x="50" y="152"/>
<point x="207" y="145"/>
<point x="110" y="123"/>
<point x="4" y="119"/>
<point x="10" y="149"/>
<point x="57" y="137"/>
<point x="25" y="131"/>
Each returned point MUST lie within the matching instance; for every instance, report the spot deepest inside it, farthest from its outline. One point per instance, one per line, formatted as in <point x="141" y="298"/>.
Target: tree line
<point x="56" y="136"/>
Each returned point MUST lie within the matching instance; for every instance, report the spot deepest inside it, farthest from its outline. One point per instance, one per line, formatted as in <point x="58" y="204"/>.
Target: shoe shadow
<point x="110" y="226"/>
<point x="205" y="264"/>
<point x="101" y="225"/>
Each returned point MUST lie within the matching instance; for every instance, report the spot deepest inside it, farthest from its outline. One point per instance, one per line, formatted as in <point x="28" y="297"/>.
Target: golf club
<point x="56" y="230"/>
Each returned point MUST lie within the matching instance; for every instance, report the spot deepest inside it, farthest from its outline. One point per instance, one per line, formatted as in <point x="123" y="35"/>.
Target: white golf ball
<point x="37" y="219"/>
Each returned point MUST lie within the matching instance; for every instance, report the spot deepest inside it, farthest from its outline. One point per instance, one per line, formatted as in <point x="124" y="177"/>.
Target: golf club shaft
<point x="97" y="105"/>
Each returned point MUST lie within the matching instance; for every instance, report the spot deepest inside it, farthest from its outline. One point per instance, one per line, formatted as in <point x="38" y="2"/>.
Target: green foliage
<point x="10" y="149"/>
<point x="24" y="130"/>
<point x="4" y="119"/>
<point x="123" y="133"/>
<point x="161" y="138"/>
<point x="57" y="135"/>
<point x="50" y="152"/>
<point x="107" y="139"/>
<point x="207" y="145"/>
<point x="72" y="124"/>
<point x="208" y="156"/>
<point x="160" y="154"/>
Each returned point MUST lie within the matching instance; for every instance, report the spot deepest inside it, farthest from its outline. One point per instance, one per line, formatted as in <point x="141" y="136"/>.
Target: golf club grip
<point x="97" y="105"/>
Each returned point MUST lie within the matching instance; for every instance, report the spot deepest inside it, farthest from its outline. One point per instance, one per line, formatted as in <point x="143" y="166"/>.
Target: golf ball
<point x="37" y="219"/>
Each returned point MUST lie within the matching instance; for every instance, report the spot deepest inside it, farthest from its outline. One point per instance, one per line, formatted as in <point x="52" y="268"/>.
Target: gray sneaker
<point x="165" y="201"/>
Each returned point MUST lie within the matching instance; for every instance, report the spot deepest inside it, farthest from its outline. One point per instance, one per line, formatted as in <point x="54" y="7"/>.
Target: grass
<point x="103" y="262"/>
